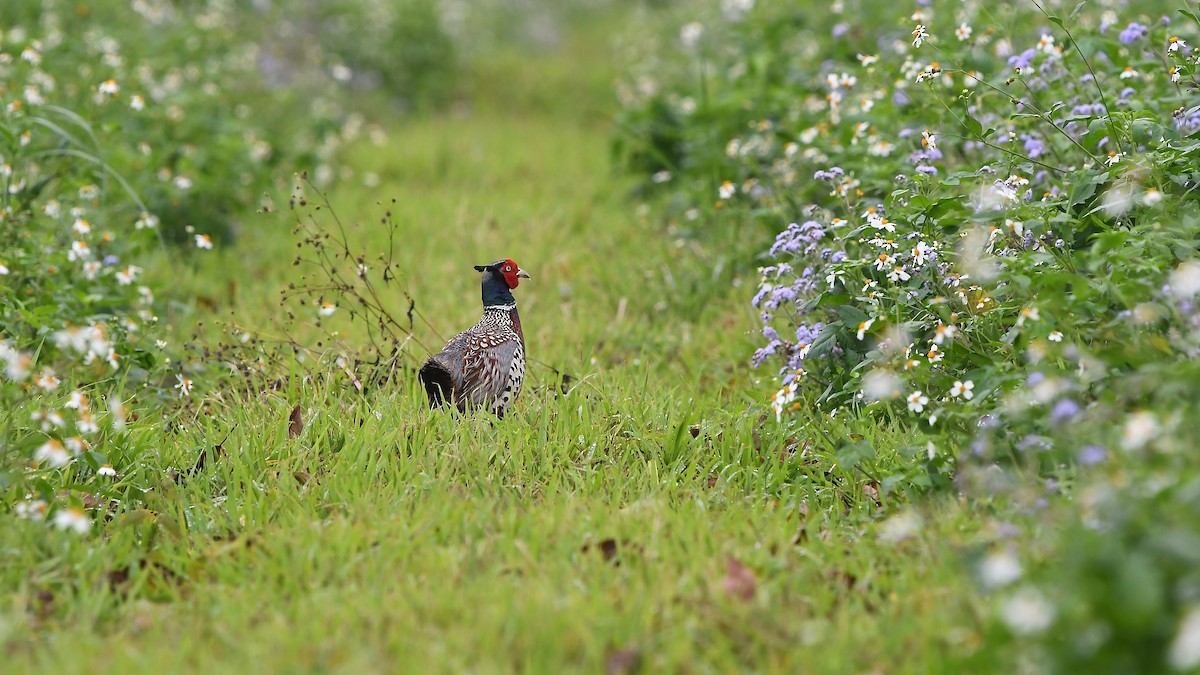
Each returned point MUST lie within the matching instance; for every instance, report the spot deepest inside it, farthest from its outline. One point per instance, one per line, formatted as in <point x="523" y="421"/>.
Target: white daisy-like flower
<point x="106" y="470"/>
<point x="327" y="309"/>
<point x="917" y="401"/>
<point x="73" y="518"/>
<point x="52" y="452"/>
<point x="963" y="32"/>
<point x="127" y="275"/>
<point x="31" y="509"/>
<point x="204" y="241"/>
<point x="963" y="389"/>
<point x="1027" y="612"/>
<point x="1030" y="313"/>
<point x="864" y="327"/>
<point x="1055" y="336"/>
<point x="184" y="385"/>
<point x="920" y="35"/>
<point x="109" y="88"/>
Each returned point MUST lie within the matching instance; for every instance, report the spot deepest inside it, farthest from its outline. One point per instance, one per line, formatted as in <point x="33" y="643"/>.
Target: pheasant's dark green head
<point x="499" y="279"/>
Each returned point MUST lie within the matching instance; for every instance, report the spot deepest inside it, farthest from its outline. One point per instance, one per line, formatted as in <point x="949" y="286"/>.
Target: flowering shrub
<point x="198" y="113"/>
<point x="986" y="226"/>
<point x="79" y="341"/>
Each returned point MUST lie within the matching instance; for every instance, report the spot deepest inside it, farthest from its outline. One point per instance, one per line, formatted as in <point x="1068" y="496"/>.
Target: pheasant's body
<point x="484" y="366"/>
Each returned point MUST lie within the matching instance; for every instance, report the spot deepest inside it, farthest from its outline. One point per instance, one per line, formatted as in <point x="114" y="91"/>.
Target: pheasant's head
<point x="499" y="279"/>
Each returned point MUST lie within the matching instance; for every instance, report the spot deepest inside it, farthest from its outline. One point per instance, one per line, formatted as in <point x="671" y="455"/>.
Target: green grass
<point x="387" y="537"/>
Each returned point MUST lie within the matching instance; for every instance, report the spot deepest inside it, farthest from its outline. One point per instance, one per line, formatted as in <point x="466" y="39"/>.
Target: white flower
<point x="184" y="385"/>
<point x="79" y="251"/>
<point x="327" y="309"/>
<point x="183" y="182"/>
<point x="1046" y="44"/>
<point x="726" y="190"/>
<point x="903" y="525"/>
<point x="944" y="332"/>
<point x="690" y="34"/>
<point x="880" y="384"/>
<point x="109" y="87"/>
<point x="1184" y="653"/>
<point x="935" y="354"/>
<point x="77" y="401"/>
<point x="1176" y="44"/>
<point x="898" y="274"/>
<point x="1140" y="428"/>
<point x="3" y="269"/>
<point x="73" y="518"/>
<point x="137" y="102"/>
<point x="1030" y="313"/>
<point x="47" y="381"/>
<point x="52" y="452"/>
<point x="917" y="401"/>
<point x="864" y="327"/>
<point x="964" y="389"/>
<point x="919" y="35"/>
<point x="1027" y="612"/>
<point x="1175" y="72"/>
<point x="106" y="470"/>
<point x="963" y="32"/>
<point x="204" y="241"/>
<point x="31" y="509"/>
<point x="82" y="227"/>
<point x="127" y="275"/>
<point x="1184" y="282"/>
<point x="1114" y="157"/>
<point x="928" y="140"/>
<point x="145" y="221"/>
<point x="1055" y="336"/>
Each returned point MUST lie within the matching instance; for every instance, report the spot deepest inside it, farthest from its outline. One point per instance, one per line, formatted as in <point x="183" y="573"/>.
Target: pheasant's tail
<point x="439" y="384"/>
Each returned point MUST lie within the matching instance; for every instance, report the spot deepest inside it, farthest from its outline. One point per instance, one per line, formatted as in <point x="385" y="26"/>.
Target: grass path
<point x="586" y="523"/>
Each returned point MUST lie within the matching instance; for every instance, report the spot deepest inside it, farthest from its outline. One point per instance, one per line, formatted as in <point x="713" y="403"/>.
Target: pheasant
<point x="484" y="366"/>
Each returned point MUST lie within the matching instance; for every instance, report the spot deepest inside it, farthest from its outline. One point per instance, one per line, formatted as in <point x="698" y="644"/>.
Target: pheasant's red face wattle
<point x="512" y="273"/>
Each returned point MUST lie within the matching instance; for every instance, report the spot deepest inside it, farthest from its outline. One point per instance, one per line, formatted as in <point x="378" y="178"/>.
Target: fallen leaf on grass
<point x="610" y="549"/>
<point x="295" y="423"/>
<point x="623" y="661"/>
<point x="739" y="582"/>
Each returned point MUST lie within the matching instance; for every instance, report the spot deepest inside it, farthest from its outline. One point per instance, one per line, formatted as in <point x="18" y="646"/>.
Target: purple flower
<point x="1090" y="455"/>
<point x="1132" y="33"/>
<point x="1034" y="147"/>
<point x="1022" y="60"/>
<point x="927" y="170"/>
<point x="830" y="174"/>
<point x="1064" y="410"/>
<point x="806" y="334"/>
<point x="111" y="259"/>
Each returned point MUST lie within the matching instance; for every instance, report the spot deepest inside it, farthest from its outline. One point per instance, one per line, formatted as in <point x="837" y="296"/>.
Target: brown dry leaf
<point x="302" y="477"/>
<point x="623" y="661"/>
<point x="739" y="582"/>
<point x="295" y="424"/>
<point x="607" y="547"/>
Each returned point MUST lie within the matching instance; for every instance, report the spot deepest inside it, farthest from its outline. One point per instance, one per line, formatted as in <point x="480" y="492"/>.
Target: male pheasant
<point x="484" y="366"/>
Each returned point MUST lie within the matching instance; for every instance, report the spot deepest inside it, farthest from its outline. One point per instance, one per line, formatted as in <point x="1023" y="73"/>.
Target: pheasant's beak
<point x="522" y="273"/>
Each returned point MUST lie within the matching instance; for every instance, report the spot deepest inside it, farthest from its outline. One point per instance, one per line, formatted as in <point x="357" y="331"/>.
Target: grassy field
<point x="642" y="517"/>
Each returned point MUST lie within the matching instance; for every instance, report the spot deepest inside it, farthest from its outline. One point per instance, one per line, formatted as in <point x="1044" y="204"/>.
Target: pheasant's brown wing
<point x="487" y="367"/>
